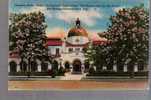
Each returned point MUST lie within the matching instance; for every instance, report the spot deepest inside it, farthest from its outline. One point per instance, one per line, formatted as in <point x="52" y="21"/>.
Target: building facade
<point x="69" y="48"/>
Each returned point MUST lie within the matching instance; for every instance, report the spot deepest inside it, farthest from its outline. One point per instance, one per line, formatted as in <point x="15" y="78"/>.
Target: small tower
<point x="78" y="23"/>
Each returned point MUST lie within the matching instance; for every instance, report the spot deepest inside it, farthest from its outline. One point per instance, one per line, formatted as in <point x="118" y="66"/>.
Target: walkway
<point x="70" y="76"/>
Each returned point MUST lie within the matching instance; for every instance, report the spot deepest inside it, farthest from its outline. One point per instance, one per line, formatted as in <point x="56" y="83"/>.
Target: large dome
<point x="77" y="32"/>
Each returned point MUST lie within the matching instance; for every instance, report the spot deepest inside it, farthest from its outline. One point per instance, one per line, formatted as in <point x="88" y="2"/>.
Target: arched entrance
<point x="76" y="66"/>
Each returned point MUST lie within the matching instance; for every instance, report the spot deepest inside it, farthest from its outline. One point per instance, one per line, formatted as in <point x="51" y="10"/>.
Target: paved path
<point x="69" y="76"/>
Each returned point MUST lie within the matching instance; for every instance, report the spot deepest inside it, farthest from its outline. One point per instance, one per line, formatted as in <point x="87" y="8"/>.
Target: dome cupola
<point x="77" y="32"/>
<point x="77" y="35"/>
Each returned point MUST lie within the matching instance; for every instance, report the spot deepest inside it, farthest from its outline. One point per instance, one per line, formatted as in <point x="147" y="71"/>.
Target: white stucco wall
<point x="52" y="49"/>
<point x="76" y="40"/>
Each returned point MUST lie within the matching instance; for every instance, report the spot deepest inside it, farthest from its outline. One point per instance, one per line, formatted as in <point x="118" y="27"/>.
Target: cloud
<point x="87" y="17"/>
<point x="60" y="32"/>
<point x="37" y="9"/>
<point x="54" y="32"/>
<point x="116" y="9"/>
<point x="95" y="37"/>
<point x="95" y="30"/>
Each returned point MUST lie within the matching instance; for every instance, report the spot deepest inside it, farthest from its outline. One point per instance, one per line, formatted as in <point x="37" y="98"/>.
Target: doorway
<point x="76" y="66"/>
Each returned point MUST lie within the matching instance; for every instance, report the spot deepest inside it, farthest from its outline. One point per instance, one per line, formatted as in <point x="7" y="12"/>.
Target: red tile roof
<point x="54" y="43"/>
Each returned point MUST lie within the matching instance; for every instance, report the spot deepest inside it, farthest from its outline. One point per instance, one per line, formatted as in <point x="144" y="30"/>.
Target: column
<point x="145" y="68"/>
<point x="95" y="68"/>
<point x="115" y="68"/>
<point x="39" y="68"/>
<point x="49" y="66"/>
<point x="125" y="68"/>
<point x="82" y="68"/>
<point x="18" y="68"/>
<point x="135" y="68"/>
<point x="104" y="68"/>
<point x="71" y="67"/>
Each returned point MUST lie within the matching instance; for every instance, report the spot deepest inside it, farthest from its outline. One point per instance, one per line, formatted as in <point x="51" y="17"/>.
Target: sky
<point x="93" y="14"/>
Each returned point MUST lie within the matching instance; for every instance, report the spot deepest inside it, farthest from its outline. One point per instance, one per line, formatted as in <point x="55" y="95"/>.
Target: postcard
<point x="78" y="45"/>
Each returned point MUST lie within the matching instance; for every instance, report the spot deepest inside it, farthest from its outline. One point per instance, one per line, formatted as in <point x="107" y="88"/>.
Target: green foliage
<point x="61" y="71"/>
<point x="129" y="37"/>
<point x="27" y="34"/>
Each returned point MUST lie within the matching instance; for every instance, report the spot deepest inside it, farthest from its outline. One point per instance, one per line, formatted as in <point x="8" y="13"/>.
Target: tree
<point x="55" y="65"/>
<point x="44" y="66"/>
<point x="128" y="40"/>
<point x="67" y="65"/>
<point x="27" y="35"/>
<point x="86" y="65"/>
<point x="61" y="71"/>
<point x="129" y="35"/>
<point x="89" y="53"/>
<point x="99" y="56"/>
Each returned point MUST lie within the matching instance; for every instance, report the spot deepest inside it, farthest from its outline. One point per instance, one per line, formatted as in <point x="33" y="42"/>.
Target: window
<point x="77" y="49"/>
<point x="83" y="49"/>
<point x="70" y="49"/>
<point x="57" y="51"/>
<point x="49" y="50"/>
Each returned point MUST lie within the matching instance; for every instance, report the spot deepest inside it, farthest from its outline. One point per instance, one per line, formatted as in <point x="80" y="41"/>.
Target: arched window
<point x="44" y="66"/>
<point x="70" y="49"/>
<point x="23" y="66"/>
<point x="57" y="51"/>
<point x="141" y="66"/>
<point x="67" y="65"/>
<point x="13" y="66"/>
<point x="34" y="66"/>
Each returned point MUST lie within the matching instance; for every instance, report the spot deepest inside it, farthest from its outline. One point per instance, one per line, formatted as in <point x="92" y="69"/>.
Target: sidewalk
<point x="68" y="76"/>
<point x="74" y="77"/>
<point x="115" y="77"/>
<point x="26" y="78"/>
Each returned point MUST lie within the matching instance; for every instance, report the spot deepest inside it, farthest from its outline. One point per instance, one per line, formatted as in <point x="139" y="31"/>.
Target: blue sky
<point x="95" y="19"/>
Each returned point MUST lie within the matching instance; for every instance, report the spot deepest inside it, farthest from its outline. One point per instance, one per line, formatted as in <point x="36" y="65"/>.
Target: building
<point x="69" y="47"/>
<point x="66" y="48"/>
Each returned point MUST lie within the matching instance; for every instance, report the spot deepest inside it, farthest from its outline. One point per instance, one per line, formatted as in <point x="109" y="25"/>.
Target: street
<point x="115" y="84"/>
